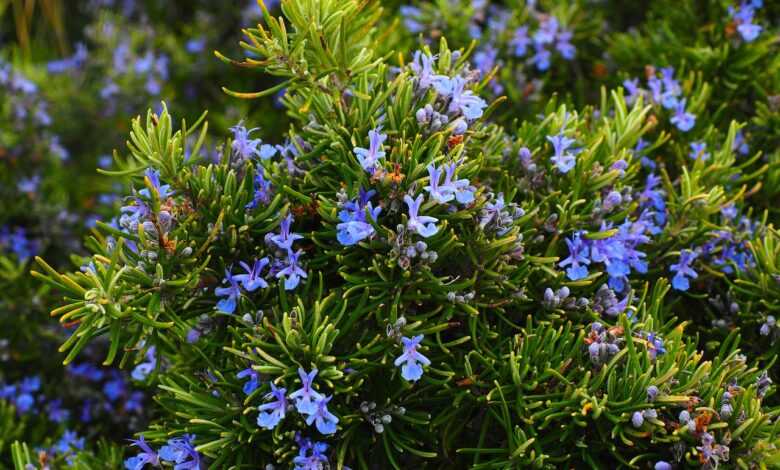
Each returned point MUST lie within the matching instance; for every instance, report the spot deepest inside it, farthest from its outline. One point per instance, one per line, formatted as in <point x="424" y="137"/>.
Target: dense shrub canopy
<point x="470" y="235"/>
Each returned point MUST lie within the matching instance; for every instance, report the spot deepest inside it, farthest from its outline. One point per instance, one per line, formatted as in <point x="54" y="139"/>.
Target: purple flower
<point x="285" y="239"/>
<point x="291" y="271"/>
<point x="231" y="294"/>
<point x="683" y="270"/>
<point x="578" y="259"/>
<point x="563" y="159"/>
<point x="272" y="413"/>
<point x="420" y="224"/>
<point x="253" y="279"/>
<point x="411" y="361"/>
<point x="253" y="382"/>
<point x="683" y="119"/>
<point x="662" y="465"/>
<point x="323" y="419"/>
<point x="146" y="456"/>
<point x="369" y="158"/>
<point x="305" y="397"/>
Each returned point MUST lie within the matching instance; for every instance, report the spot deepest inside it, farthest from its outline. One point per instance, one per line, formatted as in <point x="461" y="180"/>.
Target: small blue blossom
<point x="683" y="119"/>
<point x="369" y="158"/>
<point x="311" y="455"/>
<point x="142" y="370"/>
<point x="272" y="413"/>
<point x="460" y="190"/>
<point x="699" y="151"/>
<point x="520" y="41"/>
<point x="411" y="361"/>
<point x="683" y="270"/>
<point x="743" y="18"/>
<point x="563" y="158"/>
<point x="306" y="397"/>
<point x="146" y="456"/>
<point x="263" y="190"/>
<point x="324" y="420"/>
<point x="254" y="380"/>
<point x="578" y="259"/>
<point x="354" y="225"/>
<point x="231" y="293"/>
<point x="423" y="225"/>
<point x="291" y="271"/>
<point x="466" y="102"/>
<point x="253" y="279"/>
<point x="246" y="148"/>
<point x="285" y="239"/>
<point x="181" y="452"/>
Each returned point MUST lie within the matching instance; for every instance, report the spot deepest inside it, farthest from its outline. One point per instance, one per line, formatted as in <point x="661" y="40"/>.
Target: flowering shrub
<point x="410" y="276"/>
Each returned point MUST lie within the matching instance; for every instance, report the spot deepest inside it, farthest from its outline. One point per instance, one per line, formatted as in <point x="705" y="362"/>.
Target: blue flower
<point x="422" y="66"/>
<point x="152" y="178"/>
<point x="683" y="119"/>
<point x="262" y="189"/>
<point x="253" y="278"/>
<point x="520" y="41"/>
<point x="146" y="456"/>
<point x="305" y="397"/>
<point x="460" y="190"/>
<point x="246" y="148"/>
<point x="142" y="370"/>
<point x="354" y="225"/>
<point x="181" y="452"/>
<point x="463" y="101"/>
<point x="323" y="419"/>
<point x="369" y="158"/>
<point x="420" y="224"/>
<point x="683" y="270"/>
<point x="743" y="18"/>
<point x="655" y="345"/>
<point x="56" y="412"/>
<point x="311" y="455"/>
<point x="411" y="361"/>
<point x="632" y="88"/>
<point x="291" y="271"/>
<point x="564" y="46"/>
<point x="542" y="58"/>
<point x="563" y="159"/>
<point x="272" y="413"/>
<point x="253" y="382"/>
<point x="699" y="151"/>
<point x="412" y="18"/>
<point x="231" y="294"/>
<point x="285" y="239"/>
<point x="578" y="259"/>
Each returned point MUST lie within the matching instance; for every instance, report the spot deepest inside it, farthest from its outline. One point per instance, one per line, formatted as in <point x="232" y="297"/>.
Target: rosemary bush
<point x="427" y="269"/>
